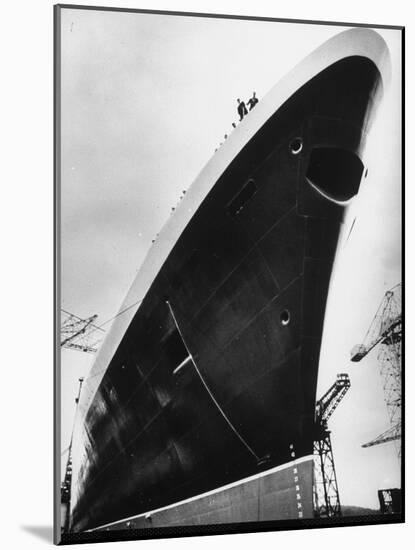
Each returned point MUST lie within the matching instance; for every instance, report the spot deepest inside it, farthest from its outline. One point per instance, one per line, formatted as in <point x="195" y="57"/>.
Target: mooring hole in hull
<point x="336" y="173"/>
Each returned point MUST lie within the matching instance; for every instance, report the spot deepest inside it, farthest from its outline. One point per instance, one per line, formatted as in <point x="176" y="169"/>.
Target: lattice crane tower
<point x="385" y="332"/>
<point x="80" y="334"/>
<point x="326" y="492"/>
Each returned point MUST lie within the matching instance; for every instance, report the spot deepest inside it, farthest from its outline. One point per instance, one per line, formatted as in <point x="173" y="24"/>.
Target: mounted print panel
<point x="229" y="289"/>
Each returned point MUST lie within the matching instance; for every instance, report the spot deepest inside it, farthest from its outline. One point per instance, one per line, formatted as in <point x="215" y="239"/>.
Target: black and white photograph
<point x="229" y="282"/>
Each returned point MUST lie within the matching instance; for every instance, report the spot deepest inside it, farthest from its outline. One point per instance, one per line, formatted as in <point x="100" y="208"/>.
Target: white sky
<point x="145" y="101"/>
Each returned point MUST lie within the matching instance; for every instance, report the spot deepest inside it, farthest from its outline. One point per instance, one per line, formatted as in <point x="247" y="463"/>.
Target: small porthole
<point x="285" y="317"/>
<point x="296" y="146"/>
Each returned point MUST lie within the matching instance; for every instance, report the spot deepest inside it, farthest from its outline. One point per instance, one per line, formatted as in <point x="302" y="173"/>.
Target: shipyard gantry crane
<point x="80" y="334"/>
<point x="385" y="332"/>
<point x="66" y="483"/>
<point x="326" y="492"/>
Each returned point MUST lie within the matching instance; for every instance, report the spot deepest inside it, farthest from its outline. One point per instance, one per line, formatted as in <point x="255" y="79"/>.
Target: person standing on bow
<point x="252" y="102"/>
<point x="242" y="110"/>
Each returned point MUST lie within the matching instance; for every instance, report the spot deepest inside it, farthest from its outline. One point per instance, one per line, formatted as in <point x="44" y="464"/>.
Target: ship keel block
<point x="282" y="493"/>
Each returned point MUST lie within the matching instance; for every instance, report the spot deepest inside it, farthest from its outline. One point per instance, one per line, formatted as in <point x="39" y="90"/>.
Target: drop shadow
<point x="43" y="532"/>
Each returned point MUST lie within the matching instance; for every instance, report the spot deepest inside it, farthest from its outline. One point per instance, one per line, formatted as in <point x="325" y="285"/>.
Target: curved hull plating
<point x="214" y="378"/>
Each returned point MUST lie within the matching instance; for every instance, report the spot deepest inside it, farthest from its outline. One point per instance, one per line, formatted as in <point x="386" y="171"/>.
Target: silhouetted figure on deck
<point x="252" y="102"/>
<point x="242" y="110"/>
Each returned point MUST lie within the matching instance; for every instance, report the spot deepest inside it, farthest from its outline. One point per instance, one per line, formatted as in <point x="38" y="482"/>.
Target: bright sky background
<point x="145" y="101"/>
